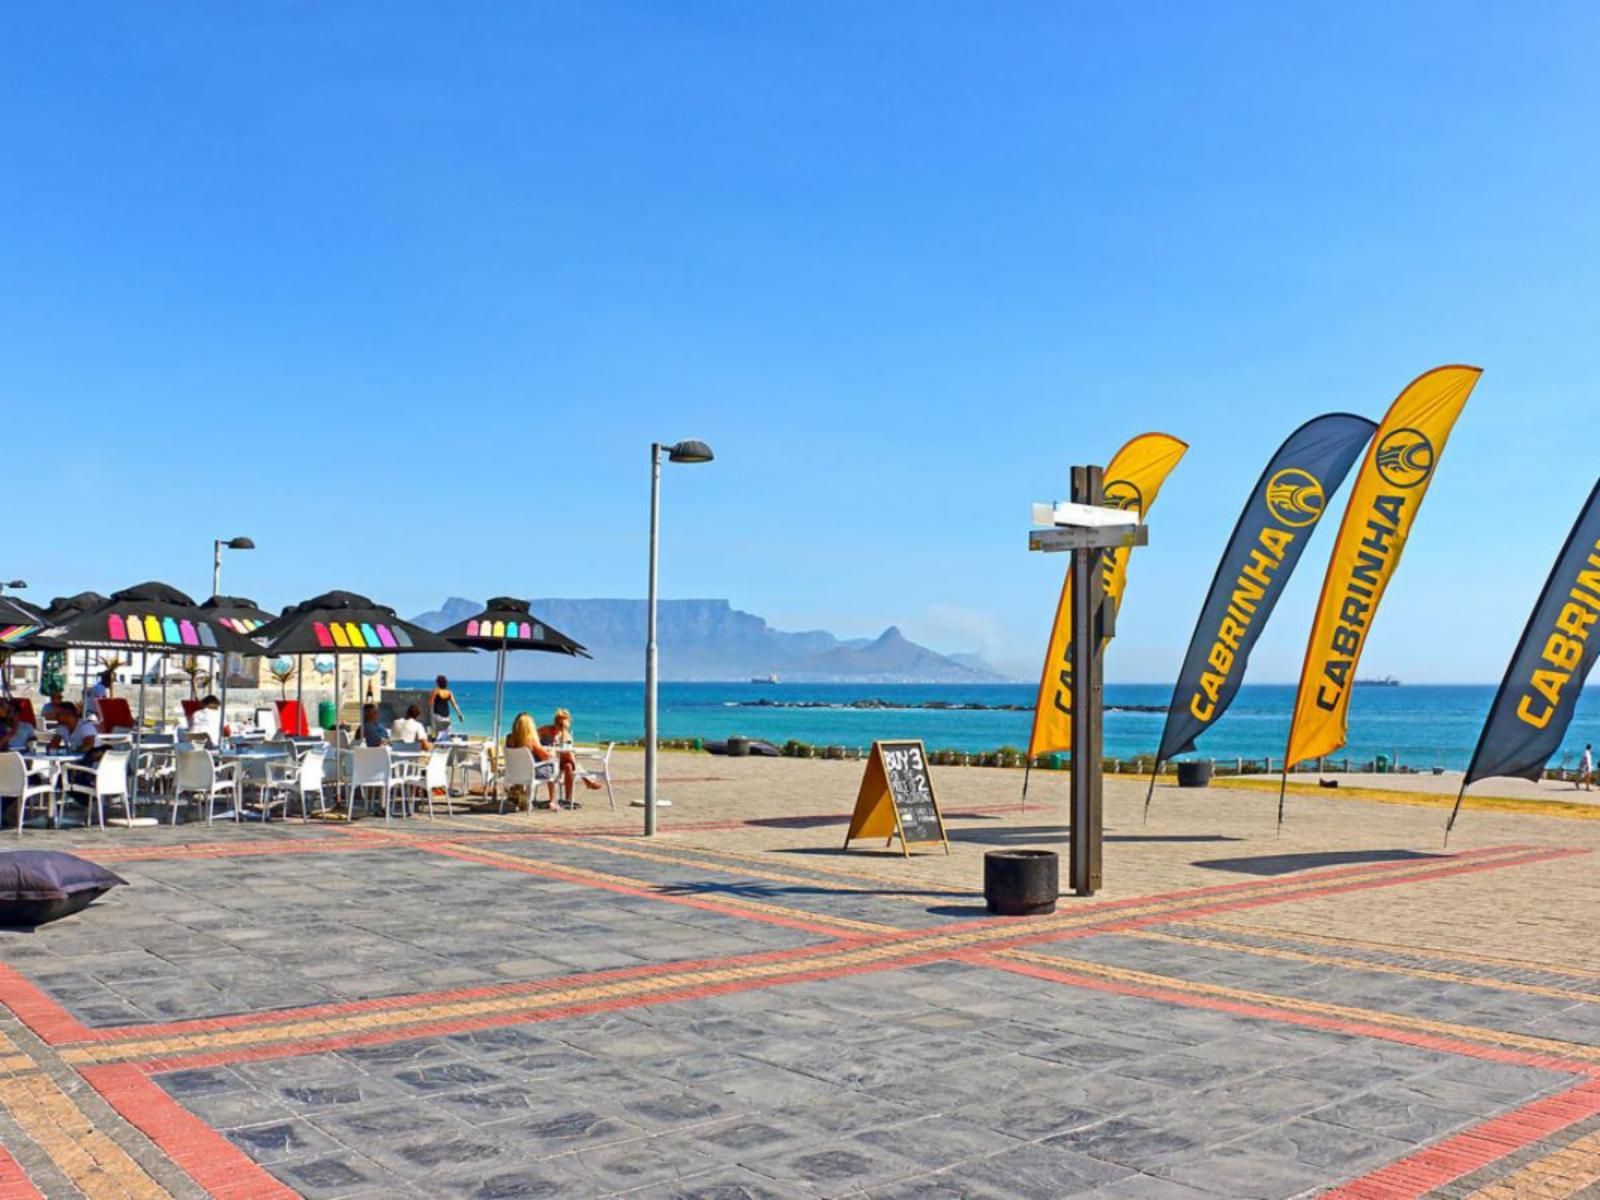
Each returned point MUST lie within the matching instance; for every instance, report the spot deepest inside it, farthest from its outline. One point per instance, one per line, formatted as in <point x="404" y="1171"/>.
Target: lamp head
<point x="689" y="452"/>
<point x="16" y="583"/>
<point x="239" y="543"/>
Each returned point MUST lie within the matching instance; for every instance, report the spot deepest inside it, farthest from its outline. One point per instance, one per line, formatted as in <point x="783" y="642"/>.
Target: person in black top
<point x="440" y="701"/>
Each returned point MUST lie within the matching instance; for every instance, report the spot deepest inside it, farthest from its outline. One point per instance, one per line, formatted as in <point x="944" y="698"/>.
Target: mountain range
<point x="698" y="640"/>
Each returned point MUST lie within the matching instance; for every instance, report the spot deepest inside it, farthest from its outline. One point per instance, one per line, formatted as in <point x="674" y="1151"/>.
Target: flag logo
<point x="1119" y="493"/>
<point x="1405" y="458"/>
<point x="1295" y="497"/>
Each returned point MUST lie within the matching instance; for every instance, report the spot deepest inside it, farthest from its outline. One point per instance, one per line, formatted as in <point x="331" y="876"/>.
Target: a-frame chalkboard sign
<point x="896" y="798"/>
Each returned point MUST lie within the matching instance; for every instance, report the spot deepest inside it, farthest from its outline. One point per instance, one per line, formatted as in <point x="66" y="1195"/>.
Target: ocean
<point x="1420" y="725"/>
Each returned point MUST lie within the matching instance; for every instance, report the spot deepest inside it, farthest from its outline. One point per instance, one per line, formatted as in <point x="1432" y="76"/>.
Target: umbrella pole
<point x="299" y="693"/>
<point x="499" y="703"/>
<point x="138" y="731"/>
<point x="338" y="752"/>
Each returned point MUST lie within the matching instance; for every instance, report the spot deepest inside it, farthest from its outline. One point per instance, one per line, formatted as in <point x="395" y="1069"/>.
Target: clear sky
<point x="403" y="291"/>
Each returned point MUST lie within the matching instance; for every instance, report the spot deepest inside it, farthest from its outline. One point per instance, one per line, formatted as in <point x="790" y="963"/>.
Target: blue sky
<point x="403" y="291"/>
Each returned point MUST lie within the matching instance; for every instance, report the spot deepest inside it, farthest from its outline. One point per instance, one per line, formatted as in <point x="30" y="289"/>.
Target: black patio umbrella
<point x="244" y="617"/>
<point x="344" y="623"/>
<point x="62" y="607"/>
<point x="150" y="616"/>
<point x="18" y="620"/>
<point x="340" y="623"/>
<point x="505" y="624"/>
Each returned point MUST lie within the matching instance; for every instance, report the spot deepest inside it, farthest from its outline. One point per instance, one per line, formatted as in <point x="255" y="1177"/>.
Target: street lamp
<point x="217" y="547"/>
<point x="681" y="452"/>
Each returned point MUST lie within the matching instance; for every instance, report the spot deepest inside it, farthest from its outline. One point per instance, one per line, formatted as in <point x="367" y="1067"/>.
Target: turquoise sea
<point x="1421" y="725"/>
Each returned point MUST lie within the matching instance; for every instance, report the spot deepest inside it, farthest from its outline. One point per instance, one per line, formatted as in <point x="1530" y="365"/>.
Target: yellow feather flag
<point x="1383" y="504"/>
<point x="1133" y="478"/>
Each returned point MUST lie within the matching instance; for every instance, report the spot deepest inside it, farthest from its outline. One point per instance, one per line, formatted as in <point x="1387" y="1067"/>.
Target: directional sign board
<point x="1083" y="516"/>
<point x="1110" y="538"/>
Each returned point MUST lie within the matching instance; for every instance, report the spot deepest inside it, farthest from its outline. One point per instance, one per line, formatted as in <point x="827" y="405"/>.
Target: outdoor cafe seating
<point x="266" y="774"/>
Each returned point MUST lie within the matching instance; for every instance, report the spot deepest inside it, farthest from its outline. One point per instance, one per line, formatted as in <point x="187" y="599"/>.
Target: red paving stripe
<point x="530" y="987"/>
<point x="1418" y="1174"/>
<point x="56" y="1026"/>
<point x="52" y="1022"/>
<point x="444" y="1028"/>
<point x="1243" y="1008"/>
<point x="548" y="871"/>
<point x="14" y="1184"/>
<point x="1023" y="937"/>
<point x="1283" y="897"/>
<point x="207" y="1157"/>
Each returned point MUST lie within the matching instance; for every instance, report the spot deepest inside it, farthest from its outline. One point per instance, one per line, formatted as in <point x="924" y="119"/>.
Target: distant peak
<point x="890" y="636"/>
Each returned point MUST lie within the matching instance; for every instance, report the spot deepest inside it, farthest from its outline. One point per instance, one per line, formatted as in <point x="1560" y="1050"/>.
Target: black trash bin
<point x="1196" y="773"/>
<point x="739" y="747"/>
<point x="1021" y="883"/>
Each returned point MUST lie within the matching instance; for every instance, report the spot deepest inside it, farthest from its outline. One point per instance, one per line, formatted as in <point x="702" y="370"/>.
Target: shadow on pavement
<point x="755" y="890"/>
<point x="1284" y="864"/>
<point x="1024" y="834"/>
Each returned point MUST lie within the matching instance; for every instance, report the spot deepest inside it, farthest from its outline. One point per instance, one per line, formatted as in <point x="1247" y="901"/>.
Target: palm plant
<point x="199" y="677"/>
<point x="284" y="672"/>
<point x="111" y="664"/>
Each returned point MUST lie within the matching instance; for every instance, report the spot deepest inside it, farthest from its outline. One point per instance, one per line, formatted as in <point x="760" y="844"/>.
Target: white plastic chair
<point x="100" y="781"/>
<point x="302" y="778"/>
<point x="199" y="775"/>
<point x="373" y="767"/>
<point x="524" y="771"/>
<point x="155" y="761"/>
<point x="466" y="759"/>
<point x="433" y="776"/>
<point x="16" y="784"/>
<point x="596" y="766"/>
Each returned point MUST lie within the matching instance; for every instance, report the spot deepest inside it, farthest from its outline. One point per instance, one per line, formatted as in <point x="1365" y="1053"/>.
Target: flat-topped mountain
<point x="699" y="640"/>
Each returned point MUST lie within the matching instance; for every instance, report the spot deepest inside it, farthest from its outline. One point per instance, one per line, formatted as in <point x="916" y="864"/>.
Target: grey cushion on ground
<point x="41" y="885"/>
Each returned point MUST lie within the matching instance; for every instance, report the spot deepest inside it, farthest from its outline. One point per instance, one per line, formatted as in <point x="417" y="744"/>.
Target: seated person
<point x="410" y="728"/>
<point x="75" y="731"/>
<point x="372" y="733"/>
<point x="561" y="738"/>
<point x="525" y="735"/>
<point x="15" y="732"/>
<point x="206" y="721"/>
<point x="51" y="712"/>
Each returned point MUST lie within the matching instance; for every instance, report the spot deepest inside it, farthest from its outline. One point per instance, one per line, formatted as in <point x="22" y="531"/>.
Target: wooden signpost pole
<point x="1088" y="597"/>
<point x="1087" y="529"/>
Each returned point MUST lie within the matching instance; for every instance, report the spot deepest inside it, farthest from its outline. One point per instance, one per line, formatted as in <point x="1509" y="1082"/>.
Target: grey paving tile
<point x="727" y="1183"/>
<point x="1132" y="1142"/>
<point x="1395" y="1114"/>
<point x="1036" y="1172"/>
<point x="831" y="1168"/>
<point x="937" y="1142"/>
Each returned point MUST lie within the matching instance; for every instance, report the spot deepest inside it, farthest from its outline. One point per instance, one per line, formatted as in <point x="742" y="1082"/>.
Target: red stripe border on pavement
<point x="211" y="1160"/>
<point x="1418" y="1174"/>
<point x="14" y="1183"/>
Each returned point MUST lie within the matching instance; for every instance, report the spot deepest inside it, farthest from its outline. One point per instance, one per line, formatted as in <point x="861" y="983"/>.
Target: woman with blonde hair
<point x="561" y="740"/>
<point x="524" y="735"/>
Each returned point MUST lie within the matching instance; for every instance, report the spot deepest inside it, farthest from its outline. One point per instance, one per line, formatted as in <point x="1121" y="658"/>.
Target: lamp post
<point x="217" y="547"/>
<point x="681" y="452"/>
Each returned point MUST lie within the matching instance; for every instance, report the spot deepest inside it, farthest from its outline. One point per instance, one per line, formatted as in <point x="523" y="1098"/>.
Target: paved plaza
<point x="546" y="1004"/>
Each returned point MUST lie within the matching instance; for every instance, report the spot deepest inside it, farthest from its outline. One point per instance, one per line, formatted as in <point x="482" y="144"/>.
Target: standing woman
<point x="440" y="701"/>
